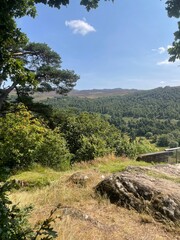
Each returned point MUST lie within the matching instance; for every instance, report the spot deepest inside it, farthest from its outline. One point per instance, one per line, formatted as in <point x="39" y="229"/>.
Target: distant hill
<point x="161" y="103"/>
<point x="136" y="113"/>
<point x="94" y="93"/>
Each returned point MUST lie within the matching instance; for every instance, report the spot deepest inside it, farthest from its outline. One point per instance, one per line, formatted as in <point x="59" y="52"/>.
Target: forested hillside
<point x="143" y="113"/>
<point x="161" y="103"/>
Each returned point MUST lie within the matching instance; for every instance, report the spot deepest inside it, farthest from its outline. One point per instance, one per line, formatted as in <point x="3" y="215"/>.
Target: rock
<point x="21" y="183"/>
<point x="154" y="190"/>
<point x="79" y="179"/>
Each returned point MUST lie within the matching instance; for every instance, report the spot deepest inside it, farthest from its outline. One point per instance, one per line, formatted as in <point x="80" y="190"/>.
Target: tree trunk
<point x="4" y="94"/>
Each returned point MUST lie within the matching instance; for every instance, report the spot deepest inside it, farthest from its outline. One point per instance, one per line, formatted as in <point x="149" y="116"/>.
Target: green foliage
<point x="21" y="136"/>
<point x="14" y="224"/>
<point x="154" y="111"/>
<point x="25" y="140"/>
<point x="89" y="136"/>
<point x="142" y="146"/>
<point x="29" y="66"/>
<point x="89" y="4"/>
<point x="133" y="148"/>
<point x="53" y="151"/>
<point x="149" y="135"/>
<point x="35" y="66"/>
<point x="173" y="8"/>
<point x="169" y="140"/>
<point x="173" y="144"/>
<point x="126" y="148"/>
<point x="91" y="147"/>
<point x="13" y="221"/>
<point x="163" y="140"/>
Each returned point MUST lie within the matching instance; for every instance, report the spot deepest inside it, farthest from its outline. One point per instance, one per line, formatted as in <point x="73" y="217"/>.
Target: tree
<point x="173" y="9"/>
<point x="28" y="65"/>
<point x="163" y="140"/>
<point x="89" y="136"/>
<point x="34" y="66"/>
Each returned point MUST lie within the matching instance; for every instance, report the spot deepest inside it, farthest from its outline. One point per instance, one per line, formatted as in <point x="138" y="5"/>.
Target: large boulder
<point x="154" y="190"/>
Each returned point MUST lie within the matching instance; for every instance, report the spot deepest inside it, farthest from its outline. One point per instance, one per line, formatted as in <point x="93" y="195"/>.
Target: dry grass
<point x="107" y="221"/>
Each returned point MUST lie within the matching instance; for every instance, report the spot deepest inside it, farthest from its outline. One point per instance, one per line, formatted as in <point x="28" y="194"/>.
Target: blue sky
<point x="119" y="45"/>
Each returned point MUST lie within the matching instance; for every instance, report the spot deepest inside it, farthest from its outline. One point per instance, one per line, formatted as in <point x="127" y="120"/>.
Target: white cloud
<point x="162" y="82"/>
<point x="161" y="50"/>
<point x="164" y="62"/>
<point x="80" y="26"/>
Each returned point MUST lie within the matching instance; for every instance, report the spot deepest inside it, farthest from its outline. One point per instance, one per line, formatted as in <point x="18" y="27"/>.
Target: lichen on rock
<point x="154" y="190"/>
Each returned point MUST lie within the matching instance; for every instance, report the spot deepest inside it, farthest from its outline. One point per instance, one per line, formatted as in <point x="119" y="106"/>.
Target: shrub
<point x="25" y="140"/>
<point x="163" y="140"/>
<point x="91" y="148"/>
<point x="142" y="145"/>
<point x="149" y="135"/>
<point x="173" y="144"/>
<point x="125" y="147"/>
<point x="53" y="151"/>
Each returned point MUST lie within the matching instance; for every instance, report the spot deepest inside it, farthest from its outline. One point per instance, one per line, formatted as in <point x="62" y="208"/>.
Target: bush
<point x="163" y="140"/>
<point x="142" y="145"/>
<point x="91" y="148"/>
<point x="25" y="140"/>
<point x="53" y="151"/>
<point x="125" y="147"/>
<point x="149" y="135"/>
<point x="133" y="148"/>
<point x="173" y="144"/>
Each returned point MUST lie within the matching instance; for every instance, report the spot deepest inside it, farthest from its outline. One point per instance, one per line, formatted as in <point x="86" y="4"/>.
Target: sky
<point x="119" y="45"/>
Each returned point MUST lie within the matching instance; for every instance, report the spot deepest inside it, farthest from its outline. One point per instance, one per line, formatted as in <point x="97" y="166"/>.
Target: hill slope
<point x="161" y="103"/>
<point x="156" y="111"/>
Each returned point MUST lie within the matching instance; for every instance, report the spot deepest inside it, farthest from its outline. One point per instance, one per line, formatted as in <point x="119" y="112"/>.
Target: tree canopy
<point x="156" y="111"/>
<point x="24" y="65"/>
<point x="173" y="9"/>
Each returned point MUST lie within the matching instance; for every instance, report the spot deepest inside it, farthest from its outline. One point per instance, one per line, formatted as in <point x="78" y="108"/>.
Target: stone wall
<point x="157" y="157"/>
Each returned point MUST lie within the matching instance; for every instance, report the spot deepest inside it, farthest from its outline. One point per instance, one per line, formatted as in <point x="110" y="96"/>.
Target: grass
<point x="164" y="176"/>
<point x="118" y="166"/>
<point x="118" y="223"/>
<point x="37" y="176"/>
<point x="110" y="164"/>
